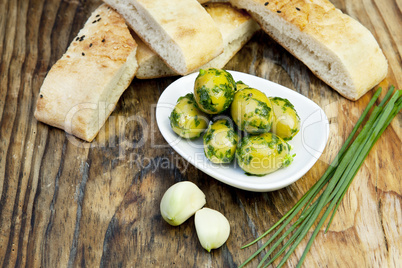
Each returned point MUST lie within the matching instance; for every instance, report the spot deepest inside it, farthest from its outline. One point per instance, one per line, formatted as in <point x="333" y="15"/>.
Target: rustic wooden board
<point x="66" y="204"/>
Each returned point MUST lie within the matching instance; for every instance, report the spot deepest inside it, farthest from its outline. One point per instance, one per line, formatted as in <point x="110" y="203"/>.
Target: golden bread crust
<point x="326" y="33"/>
<point x="226" y="17"/>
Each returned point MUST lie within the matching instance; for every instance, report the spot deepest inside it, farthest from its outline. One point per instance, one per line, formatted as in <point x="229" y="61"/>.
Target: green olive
<point x="186" y="119"/>
<point x="251" y="111"/>
<point x="286" y="120"/>
<point x="214" y="90"/>
<point x="263" y="154"/>
<point x="220" y="141"/>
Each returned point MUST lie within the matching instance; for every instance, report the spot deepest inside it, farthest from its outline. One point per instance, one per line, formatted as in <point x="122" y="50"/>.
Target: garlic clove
<point x="212" y="228"/>
<point x="180" y="202"/>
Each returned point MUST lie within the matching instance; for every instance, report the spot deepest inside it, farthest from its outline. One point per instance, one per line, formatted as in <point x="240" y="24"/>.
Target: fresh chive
<point x="387" y="96"/>
<point x="337" y="179"/>
<point x="355" y="164"/>
<point x="389" y="93"/>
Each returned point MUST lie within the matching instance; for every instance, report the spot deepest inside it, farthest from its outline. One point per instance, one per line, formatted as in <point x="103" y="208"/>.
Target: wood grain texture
<point x="64" y="203"/>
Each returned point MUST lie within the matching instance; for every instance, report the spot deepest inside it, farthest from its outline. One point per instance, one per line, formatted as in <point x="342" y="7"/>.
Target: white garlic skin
<point x="212" y="228"/>
<point x="180" y="202"/>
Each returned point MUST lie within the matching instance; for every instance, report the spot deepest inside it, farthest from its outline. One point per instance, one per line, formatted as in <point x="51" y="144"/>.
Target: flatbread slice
<point x="82" y="88"/>
<point x="334" y="46"/>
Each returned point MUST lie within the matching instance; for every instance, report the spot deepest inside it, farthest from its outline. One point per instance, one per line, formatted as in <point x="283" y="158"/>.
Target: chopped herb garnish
<point x="298" y="9"/>
<point x="279" y="148"/>
<point x="273" y="142"/>
<point x="226" y="123"/>
<point x="90" y="45"/>
<point x="103" y="40"/>
<point x="216" y="90"/>
<point x="288" y="160"/>
<point x="174" y="118"/>
<point x="217" y="72"/>
<point x="278" y="11"/>
<point x="210" y="151"/>
<point x="248" y="159"/>
<point x="294" y="130"/>
<point x="205" y="100"/>
<point x="83" y="54"/>
<point x="189" y="96"/>
<point x="208" y="135"/>
<point x="41" y="96"/>
<point x="266" y="3"/>
<point x="230" y="134"/>
<point x="197" y="121"/>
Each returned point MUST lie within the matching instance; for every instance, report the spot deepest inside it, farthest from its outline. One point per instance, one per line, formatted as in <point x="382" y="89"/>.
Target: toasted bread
<point x="82" y="88"/>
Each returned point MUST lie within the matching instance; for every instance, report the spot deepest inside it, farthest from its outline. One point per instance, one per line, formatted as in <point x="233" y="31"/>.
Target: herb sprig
<point x="334" y="183"/>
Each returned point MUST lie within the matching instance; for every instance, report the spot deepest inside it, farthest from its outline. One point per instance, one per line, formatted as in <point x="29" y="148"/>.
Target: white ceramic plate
<point x="308" y="144"/>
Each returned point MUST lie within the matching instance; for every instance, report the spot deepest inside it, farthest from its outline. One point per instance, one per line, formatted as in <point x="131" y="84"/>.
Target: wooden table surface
<point x="64" y="203"/>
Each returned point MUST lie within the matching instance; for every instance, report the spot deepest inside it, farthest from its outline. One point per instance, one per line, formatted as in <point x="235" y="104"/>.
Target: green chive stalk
<point x="357" y="161"/>
<point x="334" y="183"/>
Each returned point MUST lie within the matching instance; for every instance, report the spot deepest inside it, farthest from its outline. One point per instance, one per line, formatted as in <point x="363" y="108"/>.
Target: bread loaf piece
<point x="236" y="27"/>
<point x="82" y="88"/>
<point x="180" y="31"/>
<point x="150" y="65"/>
<point x="334" y="46"/>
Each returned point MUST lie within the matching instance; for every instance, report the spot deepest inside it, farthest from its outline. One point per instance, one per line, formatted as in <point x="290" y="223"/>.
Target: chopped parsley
<point x="174" y="118"/>
<point x="279" y="148"/>
<point x="208" y="135"/>
<point x="189" y="96"/>
<point x="205" y="100"/>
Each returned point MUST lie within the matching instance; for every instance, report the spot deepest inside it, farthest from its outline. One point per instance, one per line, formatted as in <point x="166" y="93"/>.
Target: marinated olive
<point x="286" y="120"/>
<point x="214" y="90"/>
<point x="220" y="141"/>
<point x="263" y="154"/>
<point x="186" y="119"/>
<point x="251" y="111"/>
